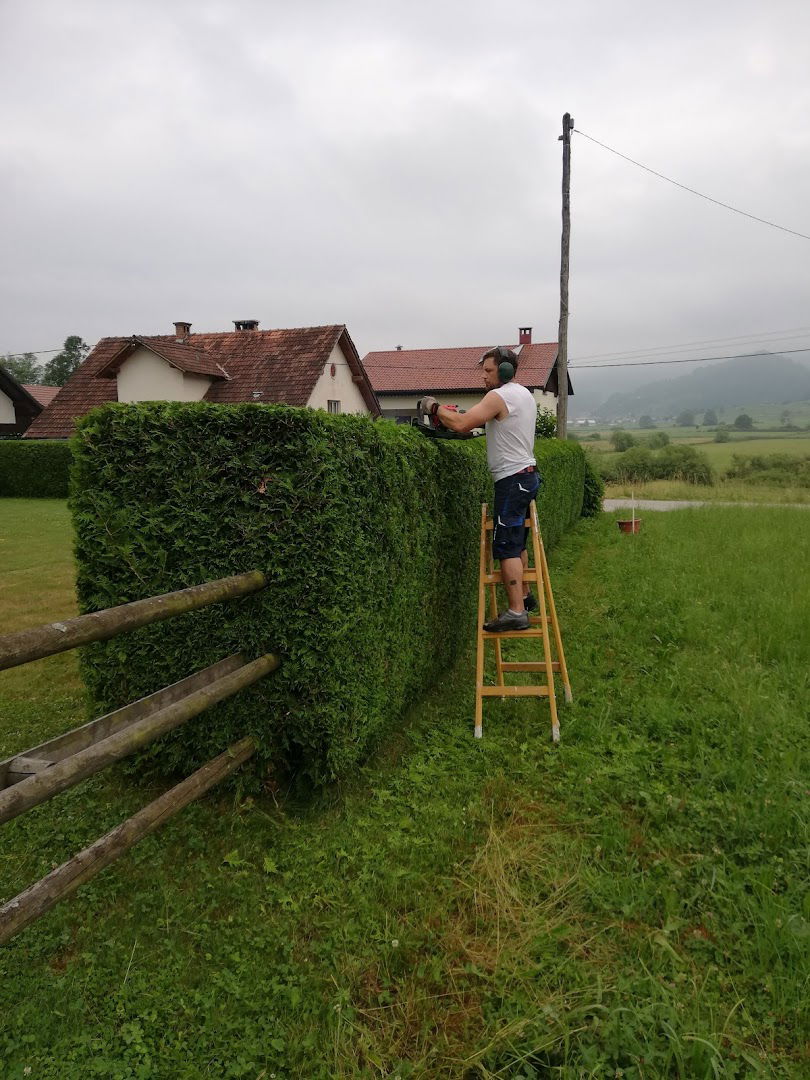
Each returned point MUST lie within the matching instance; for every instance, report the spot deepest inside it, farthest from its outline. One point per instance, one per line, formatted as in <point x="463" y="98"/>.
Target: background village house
<point x="21" y="404"/>
<point x="316" y="366"/>
<point x="401" y="376"/>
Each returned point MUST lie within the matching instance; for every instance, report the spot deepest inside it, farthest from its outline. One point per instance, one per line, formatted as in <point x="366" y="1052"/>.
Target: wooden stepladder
<point x="489" y="579"/>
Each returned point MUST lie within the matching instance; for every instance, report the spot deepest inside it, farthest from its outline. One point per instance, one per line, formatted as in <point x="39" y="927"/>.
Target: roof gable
<point x="18" y="393"/>
<point x="181" y="355"/>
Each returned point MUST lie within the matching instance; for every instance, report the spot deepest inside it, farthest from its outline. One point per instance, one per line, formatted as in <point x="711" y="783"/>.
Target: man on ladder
<point x="509" y="413"/>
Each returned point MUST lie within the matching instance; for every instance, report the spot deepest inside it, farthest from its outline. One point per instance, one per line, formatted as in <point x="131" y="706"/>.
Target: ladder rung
<point x="486" y="635"/>
<point x="526" y="524"/>
<point x="513" y="691"/>
<point x="497" y="577"/>
<point x="529" y="665"/>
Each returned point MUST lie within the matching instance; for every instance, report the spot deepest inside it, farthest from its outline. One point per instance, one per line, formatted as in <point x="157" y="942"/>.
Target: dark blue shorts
<point x="512" y="497"/>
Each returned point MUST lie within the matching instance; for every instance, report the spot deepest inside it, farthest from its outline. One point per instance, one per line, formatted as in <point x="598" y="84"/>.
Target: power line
<point x="688" y="360"/>
<point x="32" y="352"/>
<point x="708" y="198"/>
<point x="739" y="339"/>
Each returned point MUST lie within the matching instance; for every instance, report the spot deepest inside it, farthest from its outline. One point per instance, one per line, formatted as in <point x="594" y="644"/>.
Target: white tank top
<point x="510" y="442"/>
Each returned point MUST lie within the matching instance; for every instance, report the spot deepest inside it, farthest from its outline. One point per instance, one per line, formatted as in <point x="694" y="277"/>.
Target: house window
<point x="333" y="406"/>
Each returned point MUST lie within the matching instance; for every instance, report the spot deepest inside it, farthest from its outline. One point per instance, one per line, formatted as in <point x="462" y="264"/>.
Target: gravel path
<point x="685" y="504"/>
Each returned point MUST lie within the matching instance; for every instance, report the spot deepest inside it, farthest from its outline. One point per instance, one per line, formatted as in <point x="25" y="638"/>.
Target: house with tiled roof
<point x="315" y="366"/>
<point x="43" y="394"/>
<point x="20" y="404"/>
<point x="401" y="376"/>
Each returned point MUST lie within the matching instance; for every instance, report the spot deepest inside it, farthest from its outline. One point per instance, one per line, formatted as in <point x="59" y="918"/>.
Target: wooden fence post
<point x="42" y="896"/>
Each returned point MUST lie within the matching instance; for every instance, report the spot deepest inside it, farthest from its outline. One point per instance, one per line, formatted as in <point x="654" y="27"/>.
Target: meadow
<point x="632" y="902"/>
<point x="719" y="455"/>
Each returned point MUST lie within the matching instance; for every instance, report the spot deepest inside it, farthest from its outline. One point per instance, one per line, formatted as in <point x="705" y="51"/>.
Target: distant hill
<point x="744" y="380"/>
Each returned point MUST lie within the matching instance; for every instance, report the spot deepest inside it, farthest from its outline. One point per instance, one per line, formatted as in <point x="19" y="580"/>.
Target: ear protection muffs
<point x="506" y="364"/>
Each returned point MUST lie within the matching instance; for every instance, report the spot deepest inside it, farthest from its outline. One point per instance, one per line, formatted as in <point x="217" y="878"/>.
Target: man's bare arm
<point x="490" y="407"/>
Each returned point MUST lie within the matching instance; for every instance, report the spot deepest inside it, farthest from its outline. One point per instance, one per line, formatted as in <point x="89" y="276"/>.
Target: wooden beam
<point x="565" y="247"/>
<point x="42" y="896"/>
<point x="70" y="742"/>
<point x="56" y="637"/>
<point x="65" y="774"/>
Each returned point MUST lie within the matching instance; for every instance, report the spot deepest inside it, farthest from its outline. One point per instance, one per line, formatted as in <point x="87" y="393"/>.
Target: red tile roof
<point x="270" y="366"/>
<point x="428" y="370"/>
<point x="43" y="394"/>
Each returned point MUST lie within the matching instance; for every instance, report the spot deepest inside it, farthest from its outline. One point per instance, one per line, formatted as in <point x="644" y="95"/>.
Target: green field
<point x="632" y="902"/>
<point x="720" y="454"/>
<point x="720" y="457"/>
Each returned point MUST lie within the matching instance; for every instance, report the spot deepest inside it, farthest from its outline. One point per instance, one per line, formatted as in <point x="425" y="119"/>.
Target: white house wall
<point x="145" y="377"/>
<point x="7" y="415"/>
<point x="338" y="387"/>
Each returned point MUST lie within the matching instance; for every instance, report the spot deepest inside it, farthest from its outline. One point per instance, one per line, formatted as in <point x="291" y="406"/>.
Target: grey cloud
<point x="396" y="166"/>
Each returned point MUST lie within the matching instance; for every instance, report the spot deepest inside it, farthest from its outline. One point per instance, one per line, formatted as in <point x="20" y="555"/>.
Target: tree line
<point x="26" y="368"/>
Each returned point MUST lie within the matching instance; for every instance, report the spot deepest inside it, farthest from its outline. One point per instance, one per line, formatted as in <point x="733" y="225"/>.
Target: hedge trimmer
<point x="428" y="421"/>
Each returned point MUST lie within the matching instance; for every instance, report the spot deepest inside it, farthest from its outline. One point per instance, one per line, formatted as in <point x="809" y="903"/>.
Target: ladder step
<point x="511" y="633"/>
<point x="497" y="577"/>
<point x="513" y="691"/>
<point x="529" y="665"/>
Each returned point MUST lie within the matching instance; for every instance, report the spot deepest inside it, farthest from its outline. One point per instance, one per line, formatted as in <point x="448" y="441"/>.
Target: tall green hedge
<point x="367" y="531"/>
<point x="34" y="469"/>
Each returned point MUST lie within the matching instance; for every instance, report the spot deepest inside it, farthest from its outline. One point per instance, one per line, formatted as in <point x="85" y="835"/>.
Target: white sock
<point x="513" y="612"/>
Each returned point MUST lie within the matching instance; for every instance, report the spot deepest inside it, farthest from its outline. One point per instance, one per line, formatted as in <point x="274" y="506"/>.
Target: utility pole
<point x="562" y="355"/>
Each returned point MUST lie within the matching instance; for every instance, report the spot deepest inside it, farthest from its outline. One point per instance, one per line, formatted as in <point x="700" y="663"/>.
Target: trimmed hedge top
<point x="364" y="530"/>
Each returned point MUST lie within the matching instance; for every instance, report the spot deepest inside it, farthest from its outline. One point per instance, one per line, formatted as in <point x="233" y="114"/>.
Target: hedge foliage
<point x="34" y="469"/>
<point x="780" y="470"/>
<point x="367" y="531"/>
<point x="593" y="489"/>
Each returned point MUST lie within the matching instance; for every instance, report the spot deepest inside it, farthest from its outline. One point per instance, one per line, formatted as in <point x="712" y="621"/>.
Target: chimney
<point x="182" y="330"/>
<point x="525" y="335"/>
<point x="399" y="348"/>
<point x="246" y="324"/>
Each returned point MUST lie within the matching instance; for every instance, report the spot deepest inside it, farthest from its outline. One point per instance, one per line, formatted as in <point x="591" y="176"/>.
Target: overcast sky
<point x="395" y="166"/>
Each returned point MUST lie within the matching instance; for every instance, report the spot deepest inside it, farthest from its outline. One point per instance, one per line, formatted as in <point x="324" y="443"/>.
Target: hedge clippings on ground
<point x="367" y="531"/>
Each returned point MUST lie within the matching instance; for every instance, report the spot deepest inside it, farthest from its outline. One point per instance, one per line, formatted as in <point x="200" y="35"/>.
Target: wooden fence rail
<point x="30" y="777"/>
<point x="53" y="778"/>
<point x="26" y="645"/>
<point x="44" y="894"/>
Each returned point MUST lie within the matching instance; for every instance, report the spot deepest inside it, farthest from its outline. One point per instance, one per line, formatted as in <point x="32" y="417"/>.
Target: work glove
<point x="428" y="405"/>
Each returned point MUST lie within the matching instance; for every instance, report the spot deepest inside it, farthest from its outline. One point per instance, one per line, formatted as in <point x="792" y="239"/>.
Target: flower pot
<point x="629" y="526"/>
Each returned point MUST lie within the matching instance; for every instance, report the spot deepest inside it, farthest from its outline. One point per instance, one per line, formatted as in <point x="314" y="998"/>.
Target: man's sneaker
<point x="507" y="621"/>
<point x="529" y="602"/>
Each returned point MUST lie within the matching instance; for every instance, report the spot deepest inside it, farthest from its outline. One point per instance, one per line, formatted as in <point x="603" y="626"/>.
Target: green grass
<point x="631" y="902"/>
<point x="720" y="454"/>
<point x="734" y="491"/>
<point x="37" y="586"/>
